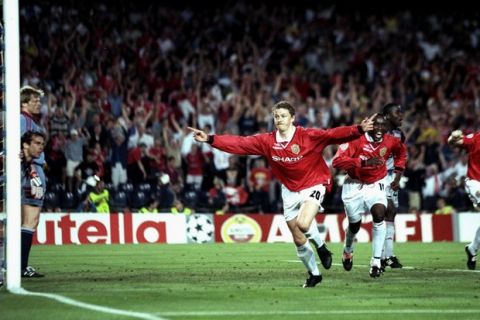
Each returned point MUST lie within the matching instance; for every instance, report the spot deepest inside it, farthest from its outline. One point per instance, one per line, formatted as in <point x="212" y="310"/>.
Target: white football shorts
<point x="473" y="190"/>
<point x="359" y="197"/>
<point x="293" y="200"/>
<point x="391" y="195"/>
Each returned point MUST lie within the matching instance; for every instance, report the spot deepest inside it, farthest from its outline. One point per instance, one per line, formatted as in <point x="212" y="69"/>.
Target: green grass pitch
<point x="244" y="281"/>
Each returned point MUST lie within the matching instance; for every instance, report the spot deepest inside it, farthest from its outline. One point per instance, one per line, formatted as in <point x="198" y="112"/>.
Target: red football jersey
<point x="260" y="178"/>
<point x="471" y="142"/>
<point x="195" y="163"/>
<point x="298" y="163"/>
<point x="350" y="155"/>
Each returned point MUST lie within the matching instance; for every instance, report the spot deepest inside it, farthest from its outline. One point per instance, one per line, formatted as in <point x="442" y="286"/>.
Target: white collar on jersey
<point x="370" y="139"/>
<point x="288" y="138"/>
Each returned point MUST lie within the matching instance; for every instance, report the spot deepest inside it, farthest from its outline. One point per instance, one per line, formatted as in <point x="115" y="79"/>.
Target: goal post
<point x="12" y="167"/>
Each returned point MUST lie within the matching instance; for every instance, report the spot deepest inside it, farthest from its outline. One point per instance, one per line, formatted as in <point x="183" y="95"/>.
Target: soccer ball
<point x="200" y="228"/>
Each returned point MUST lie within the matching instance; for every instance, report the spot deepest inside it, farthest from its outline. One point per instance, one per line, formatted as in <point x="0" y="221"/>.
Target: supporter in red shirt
<point x="157" y="156"/>
<point x="136" y="169"/>
<point x="259" y="185"/>
<point x="195" y="162"/>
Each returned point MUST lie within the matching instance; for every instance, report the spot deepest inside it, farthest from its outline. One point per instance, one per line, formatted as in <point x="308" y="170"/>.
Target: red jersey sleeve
<point x="399" y="152"/>
<point x="251" y="145"/>
<point x="344" y="157"/>
<point x="469" y="140"/>
<point x="471" y="143"/>
<point x="341" y="135"/>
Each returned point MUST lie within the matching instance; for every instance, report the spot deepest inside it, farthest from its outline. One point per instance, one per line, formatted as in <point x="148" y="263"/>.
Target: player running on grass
<point x="471" y="143"/>
<point x="393" y="115"/>
<point x="364" y="188"/>
<point x="293" y="154"/>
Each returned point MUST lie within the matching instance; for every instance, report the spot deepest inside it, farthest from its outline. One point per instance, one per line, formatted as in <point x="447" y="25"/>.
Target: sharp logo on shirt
<point x="383" y="151"/>
<point x="286" y="159"/>
<point x="295" y="149"/>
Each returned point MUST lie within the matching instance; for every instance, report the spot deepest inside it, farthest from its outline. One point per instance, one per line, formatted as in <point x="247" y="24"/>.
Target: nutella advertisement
<point x="91" y="228"/>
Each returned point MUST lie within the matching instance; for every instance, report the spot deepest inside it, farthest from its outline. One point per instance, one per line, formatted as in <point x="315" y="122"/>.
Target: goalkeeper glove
<point x="35" y="184"/>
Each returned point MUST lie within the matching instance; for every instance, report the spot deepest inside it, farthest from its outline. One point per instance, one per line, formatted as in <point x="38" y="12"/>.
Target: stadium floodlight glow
<point x="12" y="108"/>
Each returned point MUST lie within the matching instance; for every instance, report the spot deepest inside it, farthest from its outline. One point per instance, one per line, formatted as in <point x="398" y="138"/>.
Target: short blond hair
<point x="26" y="93"/>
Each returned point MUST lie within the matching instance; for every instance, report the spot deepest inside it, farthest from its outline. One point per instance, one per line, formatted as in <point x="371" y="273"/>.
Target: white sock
<point x="349" y="240"/>
<point x="388" y="251"/>
<point x="475" y="244"/>
<point x="307" y="256"/>
<point x="375" y="262"/>
<point x="314" y="235"/>
<point x="379" y="231"/>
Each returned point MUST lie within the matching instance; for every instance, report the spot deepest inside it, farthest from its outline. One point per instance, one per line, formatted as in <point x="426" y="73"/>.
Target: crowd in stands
<point x="123" y="82"/>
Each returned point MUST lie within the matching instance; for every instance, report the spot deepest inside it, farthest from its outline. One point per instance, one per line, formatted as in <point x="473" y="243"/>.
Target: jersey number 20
<point x="315" y="194"/>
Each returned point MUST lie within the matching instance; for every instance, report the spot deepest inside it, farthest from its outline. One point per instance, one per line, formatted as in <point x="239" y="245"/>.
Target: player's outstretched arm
<point x="345" y="134"/>
<point x="198" y="135"/>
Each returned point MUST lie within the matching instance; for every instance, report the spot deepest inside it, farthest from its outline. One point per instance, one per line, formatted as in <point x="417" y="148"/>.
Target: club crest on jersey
<point x="295" y="149"/>
<point x="383" y="151"/>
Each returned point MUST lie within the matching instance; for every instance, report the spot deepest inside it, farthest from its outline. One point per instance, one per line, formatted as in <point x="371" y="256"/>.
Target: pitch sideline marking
<point x="313" y="312"/>
<point x="79" y="304"/>
<point x="408" y="268"/>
